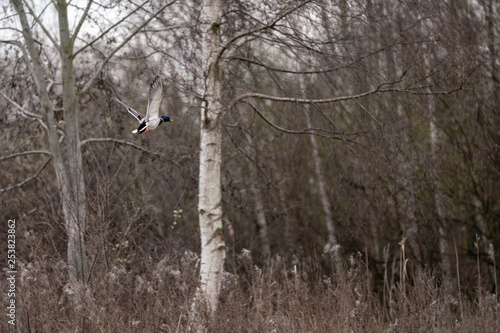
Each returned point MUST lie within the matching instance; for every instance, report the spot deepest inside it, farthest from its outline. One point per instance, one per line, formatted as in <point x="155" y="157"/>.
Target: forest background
<point x="332" y="165"/>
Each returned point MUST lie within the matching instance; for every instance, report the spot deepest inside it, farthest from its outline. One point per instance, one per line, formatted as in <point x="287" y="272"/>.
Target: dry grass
<point x="298" y="295"/>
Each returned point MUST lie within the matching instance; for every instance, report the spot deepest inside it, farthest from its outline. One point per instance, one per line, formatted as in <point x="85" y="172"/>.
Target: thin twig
<point x="20" y="108"/>
<point x="122" y="44"/>
<point x="134" y="145"/>
<point x="413" y="91"/>
<point x="107" y="30"/>
<point x="45" y="30"/>
<point x="247" y="36"/>
<point x="458" y="279"/>
<point x="80" y="23"/>
<point x="310" y="131"/>
<point x="29" y="152"/>
<point x="128" y="143"/>
<point x="11" y="187"/>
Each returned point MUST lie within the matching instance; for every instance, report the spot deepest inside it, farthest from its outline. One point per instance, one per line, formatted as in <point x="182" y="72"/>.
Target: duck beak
<point x="171" y="120"/>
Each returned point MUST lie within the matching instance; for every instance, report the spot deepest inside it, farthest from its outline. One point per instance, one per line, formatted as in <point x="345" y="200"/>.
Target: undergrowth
<point x="294" y="295"/>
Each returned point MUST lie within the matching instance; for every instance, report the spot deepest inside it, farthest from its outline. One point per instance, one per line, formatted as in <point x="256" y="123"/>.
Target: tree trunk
<point x="406" y="197"/>
<point x="444" y="228"/>
<point x="405" y="170"/>
<point x="332" y="246"/>
<point x="258" y="198"/>
<point x="76" y="207"/>
<point x="213" y="250"/>
<point x="67" y="162"/>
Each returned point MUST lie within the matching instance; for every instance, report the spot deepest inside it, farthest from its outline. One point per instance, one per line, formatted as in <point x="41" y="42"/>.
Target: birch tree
<point x="333" y="246"/>
<point x="258" y="196"/>
<point x="209" y="201"/>
<point x="276" y="38"/>
<point x="215" y="56"/>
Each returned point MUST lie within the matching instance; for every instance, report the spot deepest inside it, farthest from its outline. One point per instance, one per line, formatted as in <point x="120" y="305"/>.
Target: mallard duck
<point x="151" y="120"/>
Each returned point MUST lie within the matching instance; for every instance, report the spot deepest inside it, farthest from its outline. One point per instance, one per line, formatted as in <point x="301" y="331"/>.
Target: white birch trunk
<point x="261" y="219"/>
<point x="213" y="250"/>
<point x="406" y="189"/>
<point x="407" y="196"/>
<point x="333" y="246"/>
<point x="258" y="198"/>
<point x="444" y="230"/>
<point x="443" y="227"/>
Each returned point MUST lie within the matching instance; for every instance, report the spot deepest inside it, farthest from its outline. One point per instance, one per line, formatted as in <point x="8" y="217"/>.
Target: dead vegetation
<point x="281" y="295"/>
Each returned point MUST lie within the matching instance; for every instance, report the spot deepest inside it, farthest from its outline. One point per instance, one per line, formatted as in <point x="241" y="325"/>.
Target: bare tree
<point x="364" y="128"/>
<point x="64" y="143"/>
<point x="258" y="196"/>
<point x="332" y="246"/>
<point x="279" y="36"/>
<point x="214" y="62"/>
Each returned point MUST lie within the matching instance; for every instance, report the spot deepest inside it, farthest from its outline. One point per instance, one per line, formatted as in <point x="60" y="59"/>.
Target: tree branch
<point x="123" y="43"/>
<point x="80" y="23"/>
<point x="45" y="30"/>
<point x="8" y="41"/>
<point x="128" y="143"/>
<point x="23" y="50"/>
<point x="247" y="36"/>
<point x="31" y="55"/>
<point x="20" y="108"/>
<point x="308" y="131"/>
<point x="29" y="152"/>
<point x="9" y="28"/>
<point x="319" y="71"/>
<point x="25" y="112"/>
<point x="108" y="30"/>
<point x="11" y="187"/>
<point x="413" y="91"/>
<point x="131" y="144"/>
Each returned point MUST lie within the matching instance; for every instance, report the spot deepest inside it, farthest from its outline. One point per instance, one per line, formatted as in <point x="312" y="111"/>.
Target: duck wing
<point x="155" y="97"/>
<point x="136" y="114"/>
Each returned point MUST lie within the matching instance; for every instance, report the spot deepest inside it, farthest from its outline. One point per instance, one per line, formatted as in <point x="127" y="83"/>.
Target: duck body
<point x="145" y="127"/>
<point x="152" y="120"/>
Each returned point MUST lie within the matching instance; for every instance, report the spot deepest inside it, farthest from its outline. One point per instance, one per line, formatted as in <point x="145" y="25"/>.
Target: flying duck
<point x="151" y="120"/>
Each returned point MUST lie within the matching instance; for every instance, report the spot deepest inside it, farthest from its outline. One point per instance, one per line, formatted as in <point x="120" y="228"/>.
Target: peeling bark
<point x="213" y="250"/>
